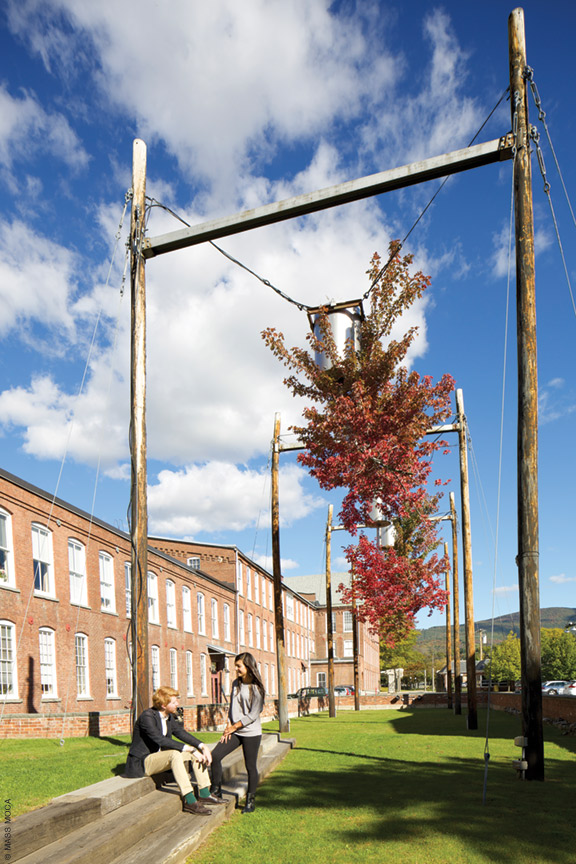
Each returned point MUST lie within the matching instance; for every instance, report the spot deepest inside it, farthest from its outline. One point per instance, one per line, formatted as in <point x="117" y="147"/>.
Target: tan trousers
<point x="177" y="761"/>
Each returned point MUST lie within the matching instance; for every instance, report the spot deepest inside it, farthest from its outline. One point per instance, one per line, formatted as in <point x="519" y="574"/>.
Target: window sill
<point x="40" y="595"/>
<point x="7" y="587"/>
<point x="109" y="612"/>
<point x="80" y="605"/>
<point x="113" y="699"/>
<point x="85" y="698"/>
<point x="46" y="699"/>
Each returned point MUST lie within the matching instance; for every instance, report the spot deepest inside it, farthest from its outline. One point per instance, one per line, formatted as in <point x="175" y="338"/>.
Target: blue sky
<point x="241" y="104"/>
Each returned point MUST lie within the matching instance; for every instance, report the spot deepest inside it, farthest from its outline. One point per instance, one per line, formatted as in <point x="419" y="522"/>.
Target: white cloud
<point x="27" y="129"/>
<point x="553" y="403"/>
<point x="217" y="495"/>
<point x="285" y="563"/>
<point x="562" y="579"/>
<point x="506" y="589"/>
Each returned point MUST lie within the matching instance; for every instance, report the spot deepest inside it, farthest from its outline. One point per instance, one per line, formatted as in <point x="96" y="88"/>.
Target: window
<point x="248" y="583"/>
<point x="6" y="555"/>
<point x="214" y="617"/>
<point x="258" y="644"/>
<point x="170" y="604"/>
<point x="107" y="582"/>
<point x="239" y="578"/>
<point x="289" y="607"/>
<point x="186" y="610"/>
<point x="194" y="563"/>
<point x="77" y="568"/>
<point x="256" y="588"/>
<point x="272" y="678"/>
<point x="189" y="674"/>
<point x="8" y="677"/>
<point x="321" y="679"/>
<point x="174" y="668"/>
<point x="250" y="630"/>
<point x="271" y="635"/>
<point x="155" y="662"/>
<point x="153" y="613"/>
<point x="266" y="682"/>
<point x="81" y="652"/>
<point x="333" y="622"/>
<point x="348" y="621"/>
<point x="241" y="636"/>
<point x="226" y="622"/>
<point x="110" y="667"/>
<point x="47" y="662"/>
<point x="203" y="676"/>
<point x="348" y="649"/>
<point x="270" y="597"/>
<point x="128" y="587"/>
<point x="42" y="555"/>
<point x="201" y="618"/>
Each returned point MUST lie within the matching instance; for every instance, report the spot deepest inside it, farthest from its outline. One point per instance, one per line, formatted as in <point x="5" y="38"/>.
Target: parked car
<point x="344" y="690"/>
<point x="308" y="692"/>
<point x="553" y="688"/>
<point x="569" y="689"/>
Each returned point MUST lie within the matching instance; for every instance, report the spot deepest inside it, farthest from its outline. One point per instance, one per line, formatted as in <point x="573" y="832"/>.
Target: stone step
<point x="127" y="820"/>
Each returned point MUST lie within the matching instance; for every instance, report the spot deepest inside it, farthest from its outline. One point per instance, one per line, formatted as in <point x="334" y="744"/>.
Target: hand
<point x="207" y="753"/>
<point x="228" y="731"/>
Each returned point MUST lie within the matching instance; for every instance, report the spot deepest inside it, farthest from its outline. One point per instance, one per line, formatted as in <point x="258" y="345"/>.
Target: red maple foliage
<point x="366" y="432"/>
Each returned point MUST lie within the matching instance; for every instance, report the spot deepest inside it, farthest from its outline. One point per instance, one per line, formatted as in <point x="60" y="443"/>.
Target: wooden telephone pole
<point x="528" y="545"/>
<point x="448" y="633"/>
<point x="467" y="548"/>
<point x="139" y="501"/>
<point x="456" y="609"/>
<point x="329" y="627"/>
<point x="277" y="573"/>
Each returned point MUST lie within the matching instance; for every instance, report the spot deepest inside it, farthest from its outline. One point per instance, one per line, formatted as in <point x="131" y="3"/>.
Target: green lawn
<point x="406" y="788"/>
<point x="371" y="787"/>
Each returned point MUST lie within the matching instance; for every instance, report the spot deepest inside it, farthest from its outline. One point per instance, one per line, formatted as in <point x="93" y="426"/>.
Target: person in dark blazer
<point x="154" y="750"/>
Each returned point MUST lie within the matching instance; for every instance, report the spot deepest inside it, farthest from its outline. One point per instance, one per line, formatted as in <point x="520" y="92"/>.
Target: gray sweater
<point x="246" y="703"/>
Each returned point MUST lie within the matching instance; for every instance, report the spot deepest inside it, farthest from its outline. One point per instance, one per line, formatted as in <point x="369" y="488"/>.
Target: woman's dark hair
<point x="250" y="663"/>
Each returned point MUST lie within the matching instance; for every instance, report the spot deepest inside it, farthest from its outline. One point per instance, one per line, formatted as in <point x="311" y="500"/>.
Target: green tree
<point x="558" y="654"/>
<point x="505" y="660"/>
<point x="403" y="655"/>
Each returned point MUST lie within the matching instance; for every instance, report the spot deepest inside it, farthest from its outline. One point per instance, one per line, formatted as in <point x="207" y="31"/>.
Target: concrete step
<point x="124" y="821"/>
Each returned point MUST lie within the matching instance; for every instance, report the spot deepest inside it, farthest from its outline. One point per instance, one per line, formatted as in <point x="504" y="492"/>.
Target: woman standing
<point x="244" y="728"/>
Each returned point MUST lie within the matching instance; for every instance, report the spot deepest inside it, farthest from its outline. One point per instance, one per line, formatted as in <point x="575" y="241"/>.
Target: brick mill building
<point x="65" y="605"/>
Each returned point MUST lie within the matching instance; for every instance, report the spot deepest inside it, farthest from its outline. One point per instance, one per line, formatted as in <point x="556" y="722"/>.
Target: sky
<point x="240" y="105"/>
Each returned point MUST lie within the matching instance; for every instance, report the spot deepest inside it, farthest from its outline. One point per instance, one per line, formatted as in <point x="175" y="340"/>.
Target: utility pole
<point x="355" y="647"/>
<point x="284" y="722"/>
<point x="139" y="502"/>
<point x="528" y="543"/>
<point x="329" y="628"/>
<point x="467" y="546"/>
<point x="448" y="633"/>
<point x="456" y="609"/>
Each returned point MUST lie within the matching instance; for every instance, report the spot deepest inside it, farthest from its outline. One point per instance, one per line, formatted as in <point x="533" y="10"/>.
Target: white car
<point x="569" y="689"/>
<point x="553" y="688"/>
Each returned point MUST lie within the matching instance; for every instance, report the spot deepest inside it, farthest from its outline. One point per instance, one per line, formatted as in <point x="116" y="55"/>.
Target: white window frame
<point x="186" y="609"/>
<point x="193" y="562"/>
<point x="270" y="596"/>
<point x="250" y="630"/>
<point x="248" y="583"/>
<point x="321" y="679"/>
<point x="77" y="571"/>
<point x="239" y="580"/>
<point x="153" y="605"/>
<point x="82" y="669"/>
<point x="47" y="646"/>
<point x="173" y="656"/>
<point x="107" y="594"/>
<point x="7" y="573"/>
<point x="128" y="587"/>
<point x="203" y="675"/>
<point x="42" y="554"/>
<point x="155" y="666"/>
<point x="289" y="607"/>
<point x="271" y="634"/>
<point x="226" y="615"/>
<point x="110" y="671"/>
<point x="348" y="648"/>
<point x="201" y="613"/>
<point x="258" y="640"/>
<point x="171" y="605"/>
<point x="241" y="633"/>
<point x="214" y="617"/>
<point x="189" y="674"/>
<point x="256" y="588"/>
<point x="348" y="621"/>
<point x="8" y="664"/>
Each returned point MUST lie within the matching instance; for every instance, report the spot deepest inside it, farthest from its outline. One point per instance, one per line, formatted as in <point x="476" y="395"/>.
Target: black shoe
<point x="195" y="807"/>
<point x="212" y="799"/>
<point x="250" y="805"/>
<point x="216" y="791"/>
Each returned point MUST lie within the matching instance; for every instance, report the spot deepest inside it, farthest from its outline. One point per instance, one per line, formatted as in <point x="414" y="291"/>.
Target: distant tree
<point x="403" y="655"/>
<point x="558" y="650"/>
<point x="505" y="660"/>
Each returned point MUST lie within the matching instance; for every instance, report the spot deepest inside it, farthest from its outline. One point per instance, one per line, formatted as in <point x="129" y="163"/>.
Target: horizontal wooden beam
<point x="354" y="190"/>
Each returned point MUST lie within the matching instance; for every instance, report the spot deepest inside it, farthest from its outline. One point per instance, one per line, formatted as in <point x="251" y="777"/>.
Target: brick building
<point x="65" y="604"/>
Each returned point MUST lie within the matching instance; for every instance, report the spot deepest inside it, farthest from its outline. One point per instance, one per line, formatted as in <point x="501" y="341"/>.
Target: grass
<point x="405" y="788"/>
<point x="371" y="787"/>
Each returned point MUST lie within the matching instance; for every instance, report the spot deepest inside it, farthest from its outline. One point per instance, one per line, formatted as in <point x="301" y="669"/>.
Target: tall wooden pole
<point x="329" y="628"/>
<point x="448" y="632"/>
<point x="139" y="503"/>
<point x="528" y="544"/>
<point x="467" y="549"/>
<point x="456" y="609"/>
<point x="277" y="573"/>
<point x="355" y="650"/>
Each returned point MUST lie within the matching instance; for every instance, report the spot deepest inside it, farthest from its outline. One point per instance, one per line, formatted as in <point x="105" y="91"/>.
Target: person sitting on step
<point x="154" y="750"/>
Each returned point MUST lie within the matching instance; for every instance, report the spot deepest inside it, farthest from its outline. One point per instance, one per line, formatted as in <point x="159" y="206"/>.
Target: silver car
<point x="553" y="688"/>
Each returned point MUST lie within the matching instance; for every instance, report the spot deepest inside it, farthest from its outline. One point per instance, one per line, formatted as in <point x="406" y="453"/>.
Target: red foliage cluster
<point x="366" y="433"/>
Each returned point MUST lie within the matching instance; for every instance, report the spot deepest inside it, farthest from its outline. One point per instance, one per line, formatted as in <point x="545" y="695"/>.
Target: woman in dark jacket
<point x="244" y="728"/>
